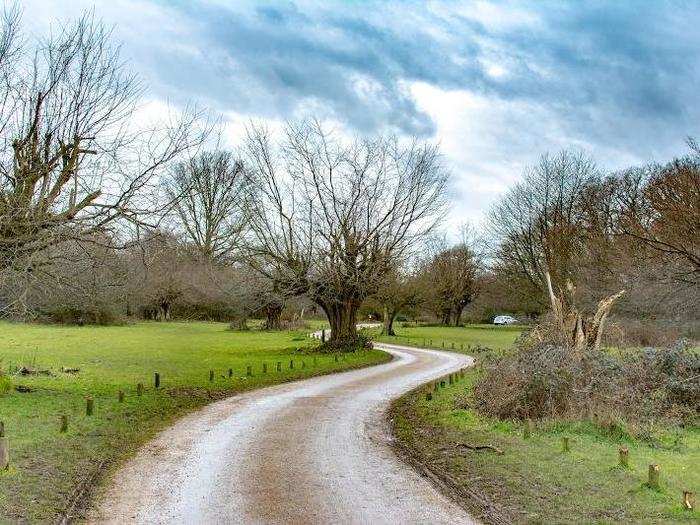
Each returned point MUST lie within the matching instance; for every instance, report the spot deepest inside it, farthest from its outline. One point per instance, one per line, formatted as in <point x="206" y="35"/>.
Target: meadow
<point x="534" y="480"/>
<point x="59" y="367"/>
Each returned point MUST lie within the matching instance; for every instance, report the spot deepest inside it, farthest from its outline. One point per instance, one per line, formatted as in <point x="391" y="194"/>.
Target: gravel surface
<point x="313" y="451"/>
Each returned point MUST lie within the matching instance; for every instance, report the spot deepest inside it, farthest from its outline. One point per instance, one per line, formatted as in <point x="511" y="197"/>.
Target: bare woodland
<point x="107" y="216"/>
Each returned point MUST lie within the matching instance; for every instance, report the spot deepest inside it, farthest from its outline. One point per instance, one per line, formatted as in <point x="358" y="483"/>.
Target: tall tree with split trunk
<point x="332" y="217"/>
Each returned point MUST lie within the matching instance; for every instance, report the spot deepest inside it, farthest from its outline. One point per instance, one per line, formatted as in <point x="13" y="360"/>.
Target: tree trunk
<point x="342" y="317"/>
<point x="445" y="319"/>
<point x="457" y="315"/>
<point x="389" y="315"/>
<point x="273" y="311"/>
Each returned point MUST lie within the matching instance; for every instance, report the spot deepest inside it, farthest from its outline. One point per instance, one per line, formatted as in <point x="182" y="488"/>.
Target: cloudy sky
<point x="495" y="83"/>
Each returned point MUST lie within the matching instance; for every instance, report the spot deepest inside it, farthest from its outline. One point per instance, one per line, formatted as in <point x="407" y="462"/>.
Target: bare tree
<point x="73" y="159"/>
<point x="448" y="280"/>
<point x="209" y="191"/>
<point x="331" y="218"/>
<point x="398" y="290"/>
<point x="540" y="224"/>
<point x="659" y="207"/>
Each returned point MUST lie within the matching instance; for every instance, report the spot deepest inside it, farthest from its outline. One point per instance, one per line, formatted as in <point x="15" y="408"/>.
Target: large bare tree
<point x="77" y="152"/>
<point x="332" y="218"/>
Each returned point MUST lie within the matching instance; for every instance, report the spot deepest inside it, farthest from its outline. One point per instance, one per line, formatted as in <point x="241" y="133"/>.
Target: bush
<point x="551" y="381"/>
<point x="103" y="315"/>
<point x="361" y="342"/>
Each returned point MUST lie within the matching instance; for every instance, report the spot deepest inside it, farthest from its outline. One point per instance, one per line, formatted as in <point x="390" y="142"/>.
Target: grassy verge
<point x="465" y="339"/>
<point x="47" y="465"/>
<point x="534" y="480"/>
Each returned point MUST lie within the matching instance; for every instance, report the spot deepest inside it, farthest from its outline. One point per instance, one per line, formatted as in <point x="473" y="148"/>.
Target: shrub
<point x="552" y="381"/>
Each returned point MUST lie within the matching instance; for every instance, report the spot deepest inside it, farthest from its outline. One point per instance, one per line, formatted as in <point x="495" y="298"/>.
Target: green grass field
<point x="534" y="481"/>
<point x="460" y="339"/>
<point x="47" y="466"/>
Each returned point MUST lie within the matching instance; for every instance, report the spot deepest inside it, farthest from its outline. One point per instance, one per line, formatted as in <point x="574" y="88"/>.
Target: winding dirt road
<point x="313" y="451"/>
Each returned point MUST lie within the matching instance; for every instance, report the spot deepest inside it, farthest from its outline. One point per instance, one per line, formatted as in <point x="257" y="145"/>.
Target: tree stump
<point x="653" y="481"/>
<point x="624" y="457"/>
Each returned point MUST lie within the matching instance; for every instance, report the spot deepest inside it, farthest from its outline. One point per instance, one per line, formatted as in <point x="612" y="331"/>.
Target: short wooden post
<point x="230" y="372"/>
<point x="120" y="396"/>
<point x="451" y="381"/>
<point x="323" y="335"/>
<point x="264" y="368"/>
<point x="442" y="384"/>
<point x="443" y="344"/>
<point x="303" y="364"/>
<point x="453" y="346"/>
<point x="211" y="375"/>
<point x="4" y="448"/>
<point x="688" y="500"/>
<point x="527" y="429"/>
<point x="336" y="358"/>
<point x="156" y="379"/>
<point x="249" y="370"/>
<point x="291" y="364"/>
<point x="461" y="346"/>
<point x="653" y="481"/>
<point x="429" y="396"/>
<point x="565" y="444"/>
<point x="64" y="424"/>
<point x="139" y="389"/>
<point x="624" y="457"/>
<point x="89" y="406"/>
<point x="279" y="366"/>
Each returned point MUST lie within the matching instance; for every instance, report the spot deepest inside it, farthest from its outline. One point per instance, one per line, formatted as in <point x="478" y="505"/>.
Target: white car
<point x="504" y="319"/>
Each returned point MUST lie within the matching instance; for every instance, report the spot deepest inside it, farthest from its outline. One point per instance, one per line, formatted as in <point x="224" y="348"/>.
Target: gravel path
<point x="313" y="451"/>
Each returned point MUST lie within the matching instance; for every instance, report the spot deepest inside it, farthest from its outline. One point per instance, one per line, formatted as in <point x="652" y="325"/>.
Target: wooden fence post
<point x="249" y="370"/>
<point x="565" y="444"/>
<point x="653" y="481"/>
<point x="4" y="448"/>
<point x="64" y="424"/>
<point x="279" y="366"/>
<point x="230" y="372"/>
<point x="156" y="379"/>
<point x="211" y="375"/>
<point x="120" y="396"/>
<point x="291" y="364"/>
<point x="89" y="406"/>
<point x="624" y="457"/>
<point x="139" y="389"/>
<point x="264" y="368"/>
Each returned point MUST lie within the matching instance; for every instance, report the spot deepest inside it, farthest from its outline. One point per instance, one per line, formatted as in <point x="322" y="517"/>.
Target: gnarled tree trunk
<point x="389" y="316"/>
<point x="273" y="313"/>
<point x="342" y="316"/>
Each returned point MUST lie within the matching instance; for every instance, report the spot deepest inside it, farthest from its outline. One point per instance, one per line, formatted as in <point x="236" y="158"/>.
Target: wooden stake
<point x="279" y="366"/>
<point x="2" y="429"/>
<point x="156" y="378"/>
<point x="64" y="424"/>
<point x="249" y="370"/>
<point x="336" y="358"/>
<point x="291" y="364"/>
<point x="442" y="384"/>
<point x="653" y="481"/>
<point x="565" y="444"/>
<point x="120" y="396"/>
<point x="211" y="375"/>
<point x="89" y="406"/>
<point x="4" y="453"/>
<point x="303" y="364"/>
<point x="453" y="346"/>
<point x="688" y="500"/>
<point x="264" y="368"/>
<point x="139" y="389"/>
<point x="624" y="457"/>
<point x="230" y="372"/>
<point x="428" y="396"/>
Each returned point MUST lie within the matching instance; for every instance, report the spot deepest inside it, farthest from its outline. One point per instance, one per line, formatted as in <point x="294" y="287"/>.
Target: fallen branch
<point x="480" y="447"/>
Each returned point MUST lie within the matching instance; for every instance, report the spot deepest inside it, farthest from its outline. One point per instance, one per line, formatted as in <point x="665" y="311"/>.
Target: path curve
<point x="309" y="452"/>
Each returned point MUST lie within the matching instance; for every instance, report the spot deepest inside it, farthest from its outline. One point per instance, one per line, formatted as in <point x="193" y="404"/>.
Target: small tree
<point x="331" y="218"/>
<point x="397" y="291"/>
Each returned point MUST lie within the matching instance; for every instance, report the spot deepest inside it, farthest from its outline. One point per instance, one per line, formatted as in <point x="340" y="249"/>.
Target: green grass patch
<point x="46" y="465"/>
<point x="534" y="481"/>
<point x="460" y="339"/>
